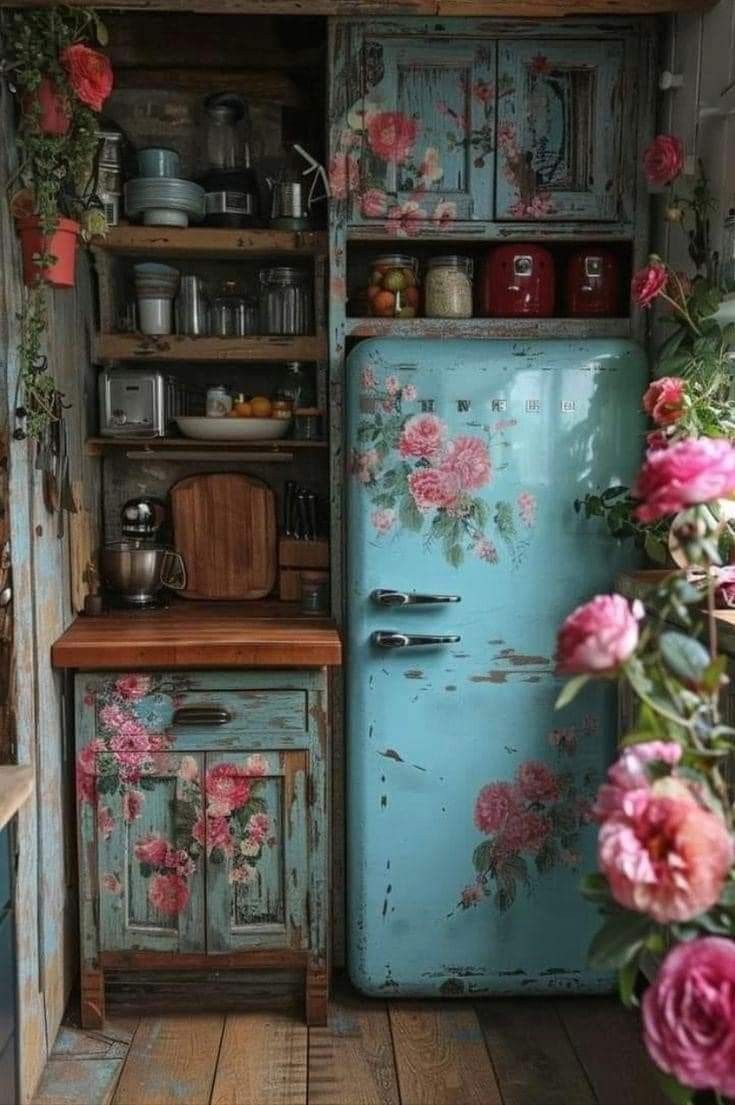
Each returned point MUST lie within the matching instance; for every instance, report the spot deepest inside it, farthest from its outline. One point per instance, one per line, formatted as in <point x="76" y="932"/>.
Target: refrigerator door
<point x="468" y="795"/>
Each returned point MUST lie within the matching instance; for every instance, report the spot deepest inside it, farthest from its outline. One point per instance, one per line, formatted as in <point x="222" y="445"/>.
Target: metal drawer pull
<point x="410" y="598"/>
<point x="201" y="715"/>
<point x="388" y="639"/>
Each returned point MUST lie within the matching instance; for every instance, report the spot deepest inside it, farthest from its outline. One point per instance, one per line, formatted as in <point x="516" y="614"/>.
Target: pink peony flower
<point x="523" y="832"/>
<point x="219" y="835"/>
<point x="344" y="175"/>
<point x="657" y="439"/>
<point x="484" y="549"/>
<point x="689" y="1015"/>
<point x="112" y="884"/>
<point x="537" y="782"/>
<point x="132" y="805"/>
<point x="598" y="636"/>
<point x="133" y="686"/>
<point x="527" y="508"/>
<point x="383" y="520"/>
<point x="152" y="849"/>
<point x="648" y="283"/>
<point x="392" y="135"/>
<point x="105" y="821"/>
<point x="434" y="488"/>
<point x="668" y="858"/>
<point x="258" y="827"/>
<point x="664" y="400"/>
<point x="494" y="804"/>
<point x="228" y="788"/>
<point x="444" y="214"/>
<point x="256" y="764"/>
<point x="629" y="775"/>
<point x="374" y="203"/>
<point x="130" y="749"/>
<point x="87" y="770"/>
<point x="168" y="894"/>
<point x="697" y="470"/>
<point x="243" y="873"/>
<point x="663" y="160"/>
<point x="112" y="717"/>
<point x="422" y="436"/>
<point x="405" y="221"/>
<point x="89" y="74"/>
<point x="468" y="459"/>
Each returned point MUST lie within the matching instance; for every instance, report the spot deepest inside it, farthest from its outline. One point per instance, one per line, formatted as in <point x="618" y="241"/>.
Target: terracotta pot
<point x="62" y="244"/>
<point x="55" y="114"/>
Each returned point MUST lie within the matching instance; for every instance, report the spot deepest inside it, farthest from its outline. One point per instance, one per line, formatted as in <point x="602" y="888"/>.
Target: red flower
<point x="664" y="400"/>
<point x="89" y="73"/>
<point x="228" y="788"/>
<point x="392" y="135"/>
<point x="537" y="782"/>
<point x="494" y="804"/>
<point x="168" y="894"/>
<point x="648" y="283"/>
<point x="664" y="159"/>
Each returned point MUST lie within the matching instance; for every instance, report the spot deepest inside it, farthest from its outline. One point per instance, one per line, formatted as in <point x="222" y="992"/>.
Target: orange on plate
<point x="261" y="407"/>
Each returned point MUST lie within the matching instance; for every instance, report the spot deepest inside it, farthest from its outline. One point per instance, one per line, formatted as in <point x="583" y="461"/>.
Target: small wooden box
<point x="295" y="557"/>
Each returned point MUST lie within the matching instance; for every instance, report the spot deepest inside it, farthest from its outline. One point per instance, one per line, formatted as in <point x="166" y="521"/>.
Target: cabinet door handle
<point x="387" y="639"/>
<point x="409" y="598"/>
<point x="201" y="715"/>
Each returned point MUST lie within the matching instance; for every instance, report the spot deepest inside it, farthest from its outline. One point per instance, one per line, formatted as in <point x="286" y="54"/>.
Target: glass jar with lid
<point x="448" y="287"/>
<point x="285" y="301"/>
<point x="393" y="288"/>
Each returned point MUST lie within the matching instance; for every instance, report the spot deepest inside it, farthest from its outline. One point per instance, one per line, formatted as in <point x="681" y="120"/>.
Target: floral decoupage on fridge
<point x="468" y="796"/>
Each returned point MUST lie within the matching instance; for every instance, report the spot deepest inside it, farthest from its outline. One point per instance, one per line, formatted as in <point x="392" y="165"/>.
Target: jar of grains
<point x="448" y="287"/>
<point x="393" y="291"/>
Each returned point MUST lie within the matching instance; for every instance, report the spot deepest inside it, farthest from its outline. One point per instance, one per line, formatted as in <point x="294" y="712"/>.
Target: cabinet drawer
<point x="200" y="718"/>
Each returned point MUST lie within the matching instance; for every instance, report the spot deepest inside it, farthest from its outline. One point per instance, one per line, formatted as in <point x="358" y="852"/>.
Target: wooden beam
<point x="257" y="84"/>
<point x="508" y="9"/>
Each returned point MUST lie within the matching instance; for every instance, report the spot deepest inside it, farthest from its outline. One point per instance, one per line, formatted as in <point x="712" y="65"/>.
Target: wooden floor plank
<point x="531" y="1054"/>
<point x="606" y="1038"/>
<point x="441" y="1057"/>
<point x="78" y="1082"/>
<point x="351" y="1061"/>
<point x="172" y="1061"/>
<point x="262" y="1059"/>
<point x="110" y="1042"/>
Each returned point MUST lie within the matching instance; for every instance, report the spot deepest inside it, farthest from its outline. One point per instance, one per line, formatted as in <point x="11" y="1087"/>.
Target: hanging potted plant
<point x="62" y="84"/>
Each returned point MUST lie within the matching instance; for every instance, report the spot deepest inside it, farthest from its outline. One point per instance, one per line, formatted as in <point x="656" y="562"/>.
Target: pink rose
<point x="168" y="894"/>
<point x="392" y="135"/>
<point x="421" y="436"/>
<point x="152" y="849"/>
<point x="133" y="686"/>
<point x="468" y="458"/>
<point x="657" y="439"/>
<point x="598" y="636"/>
<point x="374" y="203"/>
<point x="433" y="488"/>
<point x="105" y="821"/>
<point x="537" y="782"/>
<point x="664" y="159"/>
<point x="629" y="775"/>
<point x="668" y="858"/>
<point x="648" y="283"/>
<point x="523" y="832"/>
<point x="493" y="805"/>
<point x="697" y="470"/>
<point x="228" y="788"/>
<point x="89" y="73"/>
<point x="405" y="221"/>
<point x="256" y="765"/>
<point x="664" y="400"/>
<point x="219" y="835"/>
<point x="689" y="1015"/>
<point x="132" y="805"/>
<point x="258" y="827"/>
<point x="344" y="175"/>
<point x="383" y="520"/>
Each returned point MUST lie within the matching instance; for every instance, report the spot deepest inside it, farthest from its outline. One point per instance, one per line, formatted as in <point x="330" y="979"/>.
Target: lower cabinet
<point x="202" y="804"/>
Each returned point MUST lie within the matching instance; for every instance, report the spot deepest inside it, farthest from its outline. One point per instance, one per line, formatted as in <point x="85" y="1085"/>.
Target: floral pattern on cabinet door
<point x="421" y="479"/>
<point x="531" y="824"/>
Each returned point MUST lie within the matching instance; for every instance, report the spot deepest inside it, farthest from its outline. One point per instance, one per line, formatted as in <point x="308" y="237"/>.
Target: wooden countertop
<point x="16" y="784"/>
<point x="634" y="585"/>
<point x="200" y="635"/>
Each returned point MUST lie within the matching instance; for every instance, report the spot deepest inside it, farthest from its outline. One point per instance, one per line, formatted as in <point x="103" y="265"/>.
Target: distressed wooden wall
<point x="701" y="47"/>
<point x="46" y="908"/>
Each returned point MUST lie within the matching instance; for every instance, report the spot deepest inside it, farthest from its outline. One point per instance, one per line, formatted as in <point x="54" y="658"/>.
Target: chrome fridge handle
<point x="410" y="598"/>
<point x="386" y="638"/>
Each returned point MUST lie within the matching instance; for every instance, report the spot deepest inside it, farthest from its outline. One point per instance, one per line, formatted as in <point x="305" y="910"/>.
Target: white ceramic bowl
<point x="234" y="429"/>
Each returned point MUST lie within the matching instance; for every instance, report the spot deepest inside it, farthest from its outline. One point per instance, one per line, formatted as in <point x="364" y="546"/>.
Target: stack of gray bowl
<point x="155" y="287"/>
<point x="159" y="196"/>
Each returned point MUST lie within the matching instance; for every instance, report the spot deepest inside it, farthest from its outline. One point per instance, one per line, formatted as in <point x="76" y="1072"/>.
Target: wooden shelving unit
<point x="488" y="328"/>
<point x="138" y="347"/>
<point x="95" y="446"/>
<point x="209" y="243"/>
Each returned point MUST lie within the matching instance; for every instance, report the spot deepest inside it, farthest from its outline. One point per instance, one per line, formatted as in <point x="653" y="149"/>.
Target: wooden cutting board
<point x="225" y="529"/>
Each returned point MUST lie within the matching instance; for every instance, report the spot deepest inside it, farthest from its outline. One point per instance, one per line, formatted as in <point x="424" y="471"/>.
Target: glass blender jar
<point x="230" y="184"/>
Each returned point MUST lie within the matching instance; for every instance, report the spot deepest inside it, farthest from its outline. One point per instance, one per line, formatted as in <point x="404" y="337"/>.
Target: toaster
<point x="142" y="403"/>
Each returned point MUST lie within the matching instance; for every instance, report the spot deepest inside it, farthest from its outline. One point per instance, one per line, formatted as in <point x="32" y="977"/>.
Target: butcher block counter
<point x="200" y="635"/>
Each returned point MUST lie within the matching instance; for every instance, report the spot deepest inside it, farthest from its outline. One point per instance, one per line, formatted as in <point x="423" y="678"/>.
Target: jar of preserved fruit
<point x="393" y="288"/>
<point x="448" y="287"/>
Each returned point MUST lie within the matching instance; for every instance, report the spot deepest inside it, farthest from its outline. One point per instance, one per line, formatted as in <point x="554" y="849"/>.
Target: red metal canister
<point x="592" y="283"/>
<point x="518" y="282"/>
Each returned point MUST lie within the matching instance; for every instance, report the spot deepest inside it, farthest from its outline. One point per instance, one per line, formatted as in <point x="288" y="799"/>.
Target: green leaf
<point x="594" y="888"/>
<point x="409" y="515"/>
<point x="676" y="1093"/>
<point x="684" y="656"/>
<point x="655" y="549"/>
<point x="455" y="555"/>
<point x="146" y="870"/>
<point x="106" y="784"/>
<point x="546" y="857"/>
<point x="570" y="690"/>
<point x="627" y="976"/>
<point x="482" y="857"/>
<point x="146" y="783"/>
<point x="713" y="673"/>
<point x="621" y="937"/>
<point x="100" y="30"/>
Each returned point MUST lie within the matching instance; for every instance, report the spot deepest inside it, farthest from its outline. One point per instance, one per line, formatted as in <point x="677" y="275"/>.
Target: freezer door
<point x="468" y="796"/>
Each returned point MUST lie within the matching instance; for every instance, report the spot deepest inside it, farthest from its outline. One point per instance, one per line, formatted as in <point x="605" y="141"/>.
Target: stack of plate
<point x="155" y="287"/>
<point x="164" y="201"/>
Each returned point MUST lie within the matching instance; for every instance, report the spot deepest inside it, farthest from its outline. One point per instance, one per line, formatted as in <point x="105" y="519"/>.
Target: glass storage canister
<point x="285" y="301"/>
<point x="393" y="290"/>
<point x="448" y="287"/>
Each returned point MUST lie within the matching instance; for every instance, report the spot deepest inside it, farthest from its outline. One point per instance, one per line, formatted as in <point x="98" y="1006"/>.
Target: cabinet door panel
<point x="257" y="867"/>
<point x="150" y="855"/>
<point x="559" y="130"/>
<point x="426" y="130"/>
